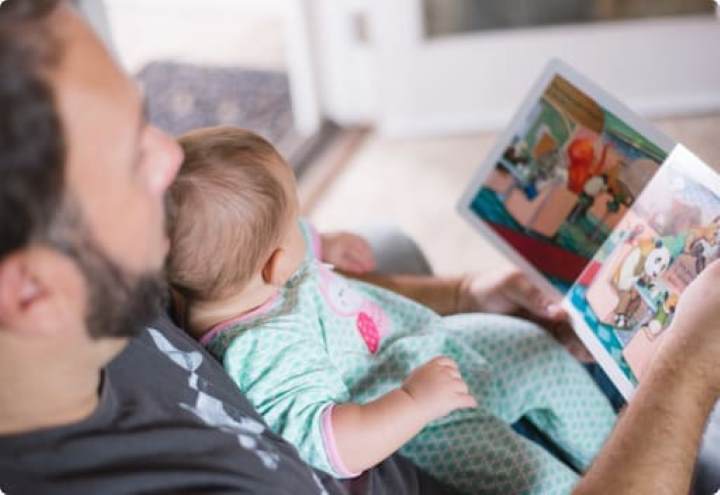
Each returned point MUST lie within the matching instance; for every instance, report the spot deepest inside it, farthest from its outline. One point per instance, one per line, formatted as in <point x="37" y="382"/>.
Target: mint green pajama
<point x="326" y="340"/>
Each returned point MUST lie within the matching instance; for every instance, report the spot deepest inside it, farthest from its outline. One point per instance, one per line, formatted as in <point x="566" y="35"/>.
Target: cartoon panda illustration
<point x="642" y="266"/>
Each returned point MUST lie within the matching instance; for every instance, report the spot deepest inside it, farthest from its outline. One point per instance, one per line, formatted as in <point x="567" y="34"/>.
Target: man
<point x="93" y="402"/>
<point x="81" y="250"/>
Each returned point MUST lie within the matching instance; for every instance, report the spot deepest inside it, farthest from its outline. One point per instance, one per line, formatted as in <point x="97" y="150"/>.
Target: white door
<point x="475" y="80"/>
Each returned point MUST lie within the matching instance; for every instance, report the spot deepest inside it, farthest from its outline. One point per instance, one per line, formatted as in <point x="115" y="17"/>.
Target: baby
<point x="349" y="372"/>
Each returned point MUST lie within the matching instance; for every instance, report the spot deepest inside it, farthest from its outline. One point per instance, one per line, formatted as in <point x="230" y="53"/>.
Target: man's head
<point x="233" y="210"/>
<point x="82" y="236"/>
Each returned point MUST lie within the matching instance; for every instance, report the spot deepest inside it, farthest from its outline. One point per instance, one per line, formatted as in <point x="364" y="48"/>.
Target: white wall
<point x="344" y="62"/>
<point x="408" y="85"/>
<point x="213" y="32"/>
<point x="476" y="82"/>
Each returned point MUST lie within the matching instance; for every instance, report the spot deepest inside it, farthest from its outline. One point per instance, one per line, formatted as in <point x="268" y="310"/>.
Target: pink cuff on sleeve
<point x="331" y="447"/>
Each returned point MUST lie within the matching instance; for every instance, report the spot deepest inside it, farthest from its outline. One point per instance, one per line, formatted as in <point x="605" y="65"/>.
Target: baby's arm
<point x="367" y="434"/>
<point x="347" y="252"/>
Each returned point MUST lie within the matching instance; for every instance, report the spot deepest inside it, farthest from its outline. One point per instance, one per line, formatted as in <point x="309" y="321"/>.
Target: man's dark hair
<point x="32" y="153"/>
<point x="34" y="205"/>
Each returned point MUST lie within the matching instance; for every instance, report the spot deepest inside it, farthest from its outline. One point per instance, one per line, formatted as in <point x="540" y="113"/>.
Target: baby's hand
<point x="347" y="252"/>
<point x="438" y="389"/>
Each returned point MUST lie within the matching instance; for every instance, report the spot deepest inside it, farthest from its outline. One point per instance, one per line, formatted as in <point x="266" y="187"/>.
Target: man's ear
<point x="277" y="268"/>
<point x="28" y="303"/>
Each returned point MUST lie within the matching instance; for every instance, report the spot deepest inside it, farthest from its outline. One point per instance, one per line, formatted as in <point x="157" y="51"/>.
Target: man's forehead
<point x="99" y="107"/>
<point x="86" y="70"/>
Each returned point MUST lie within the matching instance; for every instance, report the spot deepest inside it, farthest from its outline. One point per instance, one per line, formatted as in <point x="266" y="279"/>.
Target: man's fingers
<point x="525" y="294"/>
<point x="526" y="297"/>
<point x="556" y="312"/>
<point x="563" y="332"/>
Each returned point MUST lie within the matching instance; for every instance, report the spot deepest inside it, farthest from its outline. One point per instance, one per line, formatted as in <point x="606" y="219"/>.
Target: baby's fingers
<point x="361" y="255"/>
<point x="365" y="252"/>
<point x="445" y="362"/>
<point x="352" y="265"/>
<point x="455" y="374"/>
<point x="465" y="401"/>
<point x="460" y="386"/>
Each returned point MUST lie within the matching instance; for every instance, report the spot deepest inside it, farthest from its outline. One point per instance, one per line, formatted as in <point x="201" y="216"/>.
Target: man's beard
<point x="119" y="303"/>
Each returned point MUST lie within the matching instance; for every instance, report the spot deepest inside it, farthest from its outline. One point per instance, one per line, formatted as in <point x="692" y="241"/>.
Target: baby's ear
<point x="277" y="269"/>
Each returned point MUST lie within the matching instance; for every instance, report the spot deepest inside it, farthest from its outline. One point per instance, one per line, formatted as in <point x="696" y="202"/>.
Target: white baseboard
<point x="481" y="121"/>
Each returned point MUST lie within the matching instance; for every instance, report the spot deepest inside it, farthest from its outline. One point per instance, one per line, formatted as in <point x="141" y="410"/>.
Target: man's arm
<point x="503" y="292"/>
<point x="441" y="294"/>
<point x="654" y="446"/>
<point x="506" y="290"/>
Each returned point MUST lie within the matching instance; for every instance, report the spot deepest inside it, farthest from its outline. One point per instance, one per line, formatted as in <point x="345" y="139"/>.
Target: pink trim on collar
<point x="316" y="240"/>
<point x="227" y="324"/>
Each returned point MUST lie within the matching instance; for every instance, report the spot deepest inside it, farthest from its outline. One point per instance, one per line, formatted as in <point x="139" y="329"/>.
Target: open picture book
<point x="599" y="207"/>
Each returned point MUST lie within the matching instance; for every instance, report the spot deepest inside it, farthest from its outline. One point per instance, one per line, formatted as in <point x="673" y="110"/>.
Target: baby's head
<point x="232" y="217"/>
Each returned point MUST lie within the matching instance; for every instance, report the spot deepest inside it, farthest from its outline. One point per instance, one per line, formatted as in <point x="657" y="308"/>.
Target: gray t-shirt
<point x="171" y="421"/>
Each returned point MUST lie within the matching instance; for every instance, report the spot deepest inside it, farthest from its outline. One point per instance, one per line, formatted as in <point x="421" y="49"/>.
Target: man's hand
<point x="347" y="252"/>
<point x="506" y="291"/>
<point x="510" y="292"/>
<point x="671" y="405"/>
<point x="438" y="389"/>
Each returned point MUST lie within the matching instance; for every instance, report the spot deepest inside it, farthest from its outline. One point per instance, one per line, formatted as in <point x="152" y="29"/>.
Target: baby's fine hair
<point x="226" y="211"/>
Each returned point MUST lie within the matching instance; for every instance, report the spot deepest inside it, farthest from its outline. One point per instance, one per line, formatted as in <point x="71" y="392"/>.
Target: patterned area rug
<point x="182" y="97"/>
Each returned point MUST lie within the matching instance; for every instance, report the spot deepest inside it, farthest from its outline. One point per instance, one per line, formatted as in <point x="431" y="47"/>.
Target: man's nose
<point x="166" y="162"/>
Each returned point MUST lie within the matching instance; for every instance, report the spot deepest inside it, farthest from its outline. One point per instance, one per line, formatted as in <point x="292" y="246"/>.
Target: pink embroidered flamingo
<point x="370" y="320"/>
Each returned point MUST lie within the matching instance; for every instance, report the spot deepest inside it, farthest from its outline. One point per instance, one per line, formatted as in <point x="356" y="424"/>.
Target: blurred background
<point x="386" y="108"/>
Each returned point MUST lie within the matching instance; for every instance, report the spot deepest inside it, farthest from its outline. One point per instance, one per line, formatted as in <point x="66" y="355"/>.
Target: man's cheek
<point x="71" y="292"/>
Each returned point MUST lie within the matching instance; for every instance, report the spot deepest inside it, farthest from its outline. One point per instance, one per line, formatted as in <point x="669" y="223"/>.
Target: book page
<point x="562" y="177"/>
<point x="624" y="300"/>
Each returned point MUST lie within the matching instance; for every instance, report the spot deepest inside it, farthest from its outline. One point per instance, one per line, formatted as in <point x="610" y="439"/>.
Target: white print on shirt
<point x="211" y="410"/>
<point x="317" y="482"/>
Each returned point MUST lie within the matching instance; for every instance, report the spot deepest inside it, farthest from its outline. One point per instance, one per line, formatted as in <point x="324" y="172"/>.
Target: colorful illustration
<point x="590" y="202"/>
<point x="570" y="173"/>
<point x="628" y="293"/>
